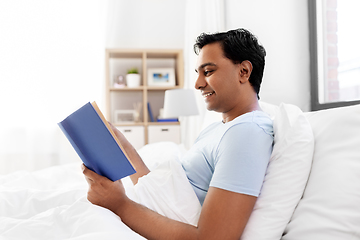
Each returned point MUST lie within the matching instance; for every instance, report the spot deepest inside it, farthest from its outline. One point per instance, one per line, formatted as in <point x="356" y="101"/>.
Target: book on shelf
<point x="95" y="142"/>
<point x="150" y="112"/>
<point x="167" y="119"/>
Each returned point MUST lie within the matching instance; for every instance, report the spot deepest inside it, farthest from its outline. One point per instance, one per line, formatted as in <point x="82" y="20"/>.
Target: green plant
<point x="133" y="70"/>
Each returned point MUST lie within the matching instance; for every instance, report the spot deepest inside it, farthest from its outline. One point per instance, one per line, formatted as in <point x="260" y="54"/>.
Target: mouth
<point x="207" y="94"/>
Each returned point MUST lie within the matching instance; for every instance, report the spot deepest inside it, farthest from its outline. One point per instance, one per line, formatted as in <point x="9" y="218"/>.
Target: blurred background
<point x="52" y="59"/>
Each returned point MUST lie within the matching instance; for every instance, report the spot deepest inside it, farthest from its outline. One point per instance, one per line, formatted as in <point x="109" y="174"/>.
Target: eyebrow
<point x="204" y="65"/>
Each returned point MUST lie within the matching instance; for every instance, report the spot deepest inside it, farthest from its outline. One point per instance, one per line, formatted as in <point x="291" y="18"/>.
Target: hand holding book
<point x="96" y="143"/>
<point x="141" y="168"/>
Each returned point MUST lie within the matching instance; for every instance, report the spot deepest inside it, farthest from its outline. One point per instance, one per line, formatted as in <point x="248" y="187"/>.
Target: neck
<point x="240" y="110"/>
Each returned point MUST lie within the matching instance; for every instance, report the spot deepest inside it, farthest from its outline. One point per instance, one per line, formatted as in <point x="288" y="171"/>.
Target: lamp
<point x="180" y="102"/>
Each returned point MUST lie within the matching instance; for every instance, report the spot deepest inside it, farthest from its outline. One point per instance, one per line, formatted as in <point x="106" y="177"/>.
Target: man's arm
<point x="223" y="216"/>
<point x="140" y="167"/>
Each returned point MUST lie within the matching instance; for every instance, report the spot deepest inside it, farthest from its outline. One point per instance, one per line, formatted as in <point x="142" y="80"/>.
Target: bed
<point x="51" y="203"/>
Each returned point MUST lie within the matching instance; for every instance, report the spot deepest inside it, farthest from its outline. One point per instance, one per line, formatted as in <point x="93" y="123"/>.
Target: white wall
<point x="146" y="24"/>
<point x="51" y="63"/>
<point x="281" y="26"/>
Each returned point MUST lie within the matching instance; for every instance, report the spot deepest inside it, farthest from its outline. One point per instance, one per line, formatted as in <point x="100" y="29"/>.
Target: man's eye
<point x="206" y="73"/>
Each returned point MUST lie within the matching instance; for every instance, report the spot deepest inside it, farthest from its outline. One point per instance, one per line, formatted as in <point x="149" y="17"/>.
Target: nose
<point x="200" y="82"/>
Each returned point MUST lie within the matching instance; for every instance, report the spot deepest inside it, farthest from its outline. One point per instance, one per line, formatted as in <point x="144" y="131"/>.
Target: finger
<point x="90" y="175"/>
<point x="94" y="177"/>
<point x="113" y="127"/>
<point x="86" y="171"/>
<point x="115" y="130"/>
<point x="83" y="167"/>
<point x="89" y="181"/>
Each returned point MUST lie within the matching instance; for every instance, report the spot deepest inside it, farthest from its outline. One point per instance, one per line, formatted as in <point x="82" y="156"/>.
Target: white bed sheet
<point x="52" y="204"/>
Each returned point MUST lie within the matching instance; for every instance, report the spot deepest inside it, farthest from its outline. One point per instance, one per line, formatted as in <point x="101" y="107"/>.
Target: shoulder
<point x="210" y="132"/>
<point x="256" y="121"/>
<point x="250" y="132"/>
<point x="252" y="124"/>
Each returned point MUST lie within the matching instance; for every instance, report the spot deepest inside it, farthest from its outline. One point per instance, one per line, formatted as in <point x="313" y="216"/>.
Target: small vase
<point x="133" y="80"/>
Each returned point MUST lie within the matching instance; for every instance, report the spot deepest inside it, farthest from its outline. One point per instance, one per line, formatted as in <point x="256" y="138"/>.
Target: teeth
<point x="208" y="94"/>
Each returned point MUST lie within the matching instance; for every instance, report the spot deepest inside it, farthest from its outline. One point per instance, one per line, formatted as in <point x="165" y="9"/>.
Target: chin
<point x="211" y="108"/>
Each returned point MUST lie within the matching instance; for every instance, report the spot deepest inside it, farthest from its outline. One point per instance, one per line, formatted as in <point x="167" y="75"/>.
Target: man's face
<point x="218" y="79"/>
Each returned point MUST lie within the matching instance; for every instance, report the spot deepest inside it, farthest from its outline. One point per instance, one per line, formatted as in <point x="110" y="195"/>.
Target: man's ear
<point x="245" y="71"/>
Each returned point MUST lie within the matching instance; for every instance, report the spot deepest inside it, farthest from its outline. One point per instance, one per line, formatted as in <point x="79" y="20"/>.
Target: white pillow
<point x="286" y="175"/>
<point x="330" y="208"/>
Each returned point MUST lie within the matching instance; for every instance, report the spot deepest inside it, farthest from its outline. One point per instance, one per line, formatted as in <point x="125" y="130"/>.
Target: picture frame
<point x="124" y="116"/>
<point x="161" y="77"/>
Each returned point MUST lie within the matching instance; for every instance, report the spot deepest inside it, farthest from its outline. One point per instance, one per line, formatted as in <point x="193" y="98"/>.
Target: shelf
<point x="117" y="62"/>
<point x="141" y="88"/>
<point x="157" y="88"/>
<point x="124" y="53"/>
<point x="162" y="123"/>
<point x="129" y="124"/>
<point x="147" y="123"/>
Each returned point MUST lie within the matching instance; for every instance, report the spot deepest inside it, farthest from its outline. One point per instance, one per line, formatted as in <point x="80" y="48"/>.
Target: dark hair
<point x="238" y="45"/>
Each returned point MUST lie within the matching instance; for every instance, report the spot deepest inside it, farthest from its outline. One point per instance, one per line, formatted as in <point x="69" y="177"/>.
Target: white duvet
<point x="52" y="204"/>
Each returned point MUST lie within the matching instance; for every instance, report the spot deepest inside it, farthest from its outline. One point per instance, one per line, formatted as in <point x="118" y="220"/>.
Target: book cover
<point x="96" y="144"/>
<point x="150" y="112"/>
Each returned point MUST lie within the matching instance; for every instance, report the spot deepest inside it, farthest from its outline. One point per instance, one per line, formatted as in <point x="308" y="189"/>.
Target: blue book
<point x="96" y="144"/>
<point x="167" y="120"/>
<point x="150" y="113"/>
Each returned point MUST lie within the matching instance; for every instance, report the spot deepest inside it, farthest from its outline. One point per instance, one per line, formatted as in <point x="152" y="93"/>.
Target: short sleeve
<point x="241" y="159"/>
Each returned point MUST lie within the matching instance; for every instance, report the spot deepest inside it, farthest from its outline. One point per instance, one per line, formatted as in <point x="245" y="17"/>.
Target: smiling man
<point x="227" y="164"/>
<point x="233" y="154"/>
